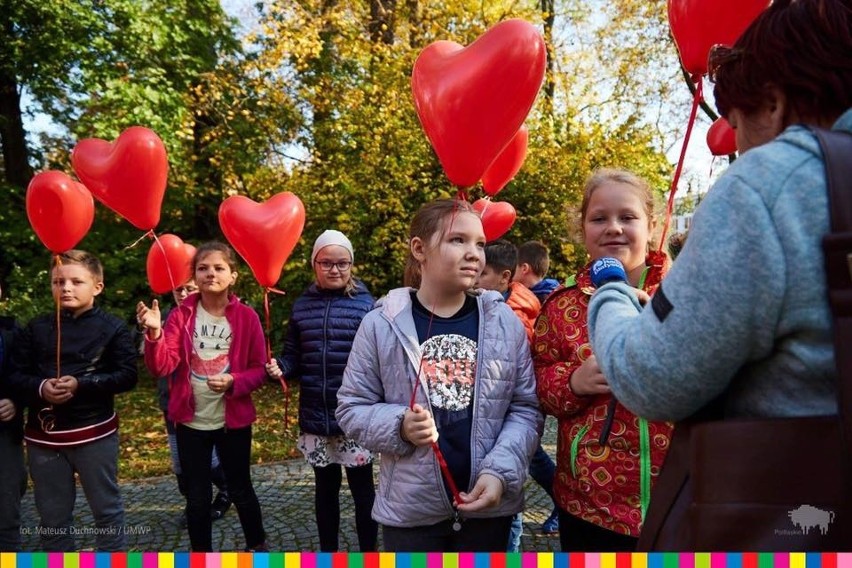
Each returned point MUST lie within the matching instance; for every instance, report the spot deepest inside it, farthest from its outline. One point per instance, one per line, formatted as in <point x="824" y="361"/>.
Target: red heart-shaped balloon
<point x="472" y="100"/>
<point x="263" y="233"/>
<point x="507" y="164"/>
<point x="698" y="25"/>
<point x="128" y="175"/>
<point x="721" y="138"/>
<point x="497" y="217"/>
<point x="169" y="263"/>
<point x="60" y="210"/>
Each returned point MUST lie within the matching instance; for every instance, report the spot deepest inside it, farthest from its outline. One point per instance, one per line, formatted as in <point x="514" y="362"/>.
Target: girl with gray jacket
<point x="440" y="381"/>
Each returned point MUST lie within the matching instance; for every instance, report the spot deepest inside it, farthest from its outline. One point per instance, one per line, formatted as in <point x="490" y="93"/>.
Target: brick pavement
<point x="285" y="490"/>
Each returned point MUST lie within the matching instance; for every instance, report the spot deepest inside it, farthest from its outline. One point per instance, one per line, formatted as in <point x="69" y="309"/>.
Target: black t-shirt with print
<point x="449" y="347"/>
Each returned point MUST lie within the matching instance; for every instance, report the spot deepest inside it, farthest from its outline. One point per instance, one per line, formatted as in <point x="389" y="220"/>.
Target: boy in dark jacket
<point x="13" y="480"/>
<point x="72" y="426"/>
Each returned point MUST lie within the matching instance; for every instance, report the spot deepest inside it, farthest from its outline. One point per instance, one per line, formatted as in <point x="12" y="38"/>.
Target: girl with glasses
<point x="319" y="337"/>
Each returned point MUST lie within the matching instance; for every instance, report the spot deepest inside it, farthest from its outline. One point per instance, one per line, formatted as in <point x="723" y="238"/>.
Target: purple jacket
<point x="169" y="356"/>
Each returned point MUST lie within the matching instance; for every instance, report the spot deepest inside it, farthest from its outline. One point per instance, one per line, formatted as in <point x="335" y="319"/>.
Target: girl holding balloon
<point x="213" y="347"/>
<point x="440" y="381"/>
<point x="319" y="337"/>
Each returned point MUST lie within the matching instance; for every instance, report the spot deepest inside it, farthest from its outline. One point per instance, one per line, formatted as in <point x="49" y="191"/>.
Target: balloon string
<point x="149" y="234"/>
<point x="57" y="262"/>
<point x="268" y="323"/>
<point x="696" y="101"/>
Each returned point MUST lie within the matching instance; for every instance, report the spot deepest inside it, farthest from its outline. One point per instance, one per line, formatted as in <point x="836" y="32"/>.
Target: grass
<point x="144" y="446"/>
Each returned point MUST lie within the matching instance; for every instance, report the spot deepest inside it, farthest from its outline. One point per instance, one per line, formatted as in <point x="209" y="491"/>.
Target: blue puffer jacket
<point x="316" y="348"/>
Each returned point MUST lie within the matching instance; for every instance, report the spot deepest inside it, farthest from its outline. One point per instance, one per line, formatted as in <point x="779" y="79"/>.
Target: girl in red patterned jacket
<point x="606" y="456"/>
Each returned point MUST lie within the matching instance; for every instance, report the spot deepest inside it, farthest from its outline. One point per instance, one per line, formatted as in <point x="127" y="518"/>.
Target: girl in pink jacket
<point x="213" y="349"/>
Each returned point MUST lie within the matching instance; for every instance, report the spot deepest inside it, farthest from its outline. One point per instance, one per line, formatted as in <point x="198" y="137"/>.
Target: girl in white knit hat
<point x="316" y="348"/>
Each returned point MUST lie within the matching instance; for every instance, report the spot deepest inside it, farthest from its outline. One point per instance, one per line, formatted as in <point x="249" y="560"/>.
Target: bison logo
<point x="807" y="517"/>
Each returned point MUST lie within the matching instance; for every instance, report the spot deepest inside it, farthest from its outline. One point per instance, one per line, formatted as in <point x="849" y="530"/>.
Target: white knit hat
<point x="332" y="237"/>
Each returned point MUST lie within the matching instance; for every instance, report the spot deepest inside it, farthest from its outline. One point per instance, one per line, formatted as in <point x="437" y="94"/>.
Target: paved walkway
<point x="285" y="490"/>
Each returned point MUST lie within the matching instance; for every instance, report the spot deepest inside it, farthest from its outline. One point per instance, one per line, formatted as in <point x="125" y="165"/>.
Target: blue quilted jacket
<point x="319" y="337"/>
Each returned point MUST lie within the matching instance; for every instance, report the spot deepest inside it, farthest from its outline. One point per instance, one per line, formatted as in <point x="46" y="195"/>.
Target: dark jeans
<point x="195" y="448"/>
<point x="577" y="535"/>
<point x="327" y="505"/>
<point x="476" y="535"/>
<point x="543" y="470"/>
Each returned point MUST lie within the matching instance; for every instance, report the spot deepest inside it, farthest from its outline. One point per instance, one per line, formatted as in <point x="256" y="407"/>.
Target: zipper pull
<point x="456" y="521"/>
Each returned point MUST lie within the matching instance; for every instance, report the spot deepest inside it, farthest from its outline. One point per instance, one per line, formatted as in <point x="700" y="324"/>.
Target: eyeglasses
<point x="342" y="266"/>
<point x="47" y="419"/>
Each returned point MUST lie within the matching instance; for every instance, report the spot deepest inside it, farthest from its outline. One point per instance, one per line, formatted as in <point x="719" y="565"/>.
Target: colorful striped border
<point x="424" y="560"/>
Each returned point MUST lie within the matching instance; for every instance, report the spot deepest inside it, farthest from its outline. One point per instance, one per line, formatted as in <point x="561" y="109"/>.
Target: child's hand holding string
<point x="418" y="427"/>
<point x="55" y="391"/>
<point x="273" y="370"/>
<point x="487" y="493"/>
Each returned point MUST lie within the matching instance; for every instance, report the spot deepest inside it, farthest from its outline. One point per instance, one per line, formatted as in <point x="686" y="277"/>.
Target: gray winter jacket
<point x="376" y="390"/>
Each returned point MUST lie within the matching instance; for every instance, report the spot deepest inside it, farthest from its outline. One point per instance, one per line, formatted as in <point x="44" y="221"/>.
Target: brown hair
<point x="800" y="47"/>
<point x="535" y="254"/>
<point x="431" y="220"/>
<point x="86" y="259"/>
<point x="501" y="255"/>
<point x="215" y="246"/>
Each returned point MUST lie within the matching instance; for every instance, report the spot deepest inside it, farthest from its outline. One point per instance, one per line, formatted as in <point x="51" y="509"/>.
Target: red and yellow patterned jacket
<point x="597" y="483"/>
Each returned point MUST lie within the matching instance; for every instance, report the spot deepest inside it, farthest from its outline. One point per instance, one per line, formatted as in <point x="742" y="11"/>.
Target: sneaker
<point x="551" y="524"/>
<point x="220" y="506"/>
<point x="259" y="548"/>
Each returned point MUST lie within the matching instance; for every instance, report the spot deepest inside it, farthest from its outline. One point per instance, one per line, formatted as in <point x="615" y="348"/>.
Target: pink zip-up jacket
<point x="168" y="356"/>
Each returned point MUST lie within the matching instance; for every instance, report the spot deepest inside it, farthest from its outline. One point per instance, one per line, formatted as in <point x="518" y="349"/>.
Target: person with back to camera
<point x="790" y="67"/>
<point x="439" y="364"/>
<point x="72" y="427"/>
<point x="759" y="343"/>
<point x="213" y="348"/>
<point x="606" y="456"/>
<point x="319" y="337"/>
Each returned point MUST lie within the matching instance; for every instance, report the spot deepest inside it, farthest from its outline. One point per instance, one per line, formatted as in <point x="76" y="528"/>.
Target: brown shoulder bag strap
<point x="837" y="247"/>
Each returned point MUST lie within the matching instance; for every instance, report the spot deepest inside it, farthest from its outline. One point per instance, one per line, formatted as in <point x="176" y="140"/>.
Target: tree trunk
<point x="415" y="18"/>
<point x="382" y="15"/>
<point x="16" y="164"/>
<point x="548" y="11"/>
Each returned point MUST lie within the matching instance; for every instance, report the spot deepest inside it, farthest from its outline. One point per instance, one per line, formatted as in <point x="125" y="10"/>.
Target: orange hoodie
<point x="525" y="305"/>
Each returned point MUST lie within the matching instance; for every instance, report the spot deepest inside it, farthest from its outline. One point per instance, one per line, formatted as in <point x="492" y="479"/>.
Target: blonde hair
<point x="612" y="175"/>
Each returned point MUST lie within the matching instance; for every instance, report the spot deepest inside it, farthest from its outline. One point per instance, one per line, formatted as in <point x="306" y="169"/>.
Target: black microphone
<point x="605" y="270"/>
